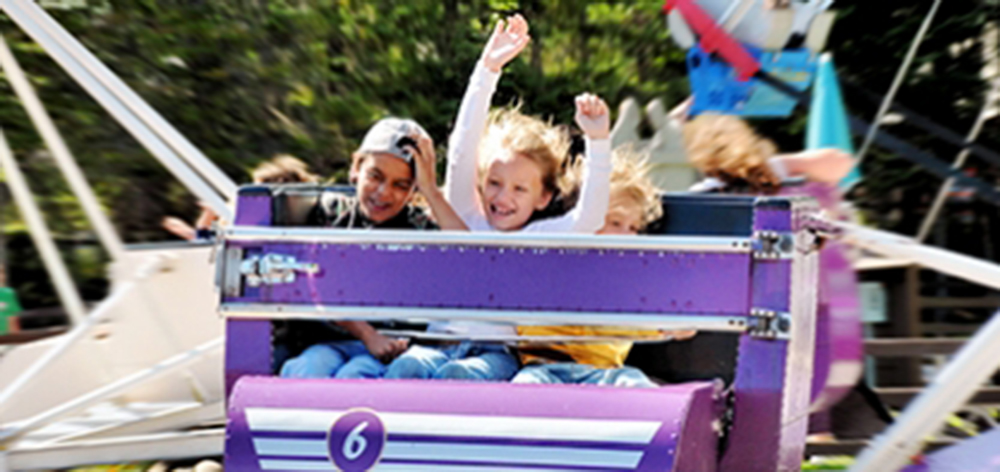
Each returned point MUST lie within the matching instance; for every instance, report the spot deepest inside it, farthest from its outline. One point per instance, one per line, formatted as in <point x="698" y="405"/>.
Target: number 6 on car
<point x="356" y="440"/>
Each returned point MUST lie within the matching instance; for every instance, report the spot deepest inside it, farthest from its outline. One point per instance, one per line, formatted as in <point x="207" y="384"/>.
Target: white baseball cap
<point x="392" y="135"/>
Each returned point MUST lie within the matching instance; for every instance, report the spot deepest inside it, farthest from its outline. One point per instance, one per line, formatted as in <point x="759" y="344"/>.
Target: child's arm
<point x="827" y="166"/>
<point x="425" y="160"/>
<point x="380" y="347"/>
<point x="588" y="215"/>
<point x="179" y="228"/>
<point x="507" y="40"/>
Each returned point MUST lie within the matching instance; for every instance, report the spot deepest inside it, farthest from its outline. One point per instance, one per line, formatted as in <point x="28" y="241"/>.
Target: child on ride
<point x="395" y="158"/>
<point x="281" y="169"/>
<point x="502" y="171"/>
<point x="634" y="204"/>
<point x="735" y="159"/>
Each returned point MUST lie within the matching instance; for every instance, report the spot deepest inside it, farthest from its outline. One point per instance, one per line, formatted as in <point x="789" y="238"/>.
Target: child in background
<point x="502" y="171"/>
<point x="737" y="160"/>
<point x="395" y="159"/>
<point x="634" y="203"/>
<point x="281" y="169"/>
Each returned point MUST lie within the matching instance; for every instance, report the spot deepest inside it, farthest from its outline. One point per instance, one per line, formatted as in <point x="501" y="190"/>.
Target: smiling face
<point x="384" y="183"/>
<point x="512" y="191"/>
<point x="625" y="216"/>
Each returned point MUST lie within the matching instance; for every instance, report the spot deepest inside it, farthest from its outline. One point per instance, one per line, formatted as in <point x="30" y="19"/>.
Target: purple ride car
<point x="741" y="270"/>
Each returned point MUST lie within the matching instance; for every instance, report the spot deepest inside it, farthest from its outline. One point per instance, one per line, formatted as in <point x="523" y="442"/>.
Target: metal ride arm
<point x="54" y="265"/>
<point x="963" y="375"/>
<point x="901" y="247"/>
<point x="60" y="152"/>
<point x="952" y="388"/>
<point x="148" y="127"/>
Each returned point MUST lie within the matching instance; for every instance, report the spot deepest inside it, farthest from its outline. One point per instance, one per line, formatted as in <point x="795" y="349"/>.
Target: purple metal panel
<point x="465" y="425"/>
<point x="253" y="208"/>
<point x="698" y="447"/>
<point x="756" y="433"/>
<point x="248" y="349"/>
<point x="838" y="359"/>
<point x="978" y="454"/>
<point x="772" y="219"/>
<point x="497" y="278"/>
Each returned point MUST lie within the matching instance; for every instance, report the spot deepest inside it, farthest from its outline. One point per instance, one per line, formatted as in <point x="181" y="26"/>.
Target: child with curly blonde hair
<point x="634" y="204"/>
<point x="503" y="171"/>
<point x="736" y="159"/>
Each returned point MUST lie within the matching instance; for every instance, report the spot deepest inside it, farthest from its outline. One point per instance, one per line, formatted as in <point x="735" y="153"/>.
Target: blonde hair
<point x="726" y="148"/>
<point x="283" y="169"/>
<point x="544" y="144"/>
<point x="630" y="178"/>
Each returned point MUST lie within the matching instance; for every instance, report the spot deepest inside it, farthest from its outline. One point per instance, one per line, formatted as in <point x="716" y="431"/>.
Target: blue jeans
<point x="340" y="360"/>
<point x="570" y="373"/>
<point x="465" y="361"/>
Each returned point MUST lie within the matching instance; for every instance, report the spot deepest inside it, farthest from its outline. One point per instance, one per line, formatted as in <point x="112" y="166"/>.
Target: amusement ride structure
<point x="152" y="373"/>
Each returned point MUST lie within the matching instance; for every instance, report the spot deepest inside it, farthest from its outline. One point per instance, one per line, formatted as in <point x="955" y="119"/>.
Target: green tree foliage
<point x="244" y="80"/>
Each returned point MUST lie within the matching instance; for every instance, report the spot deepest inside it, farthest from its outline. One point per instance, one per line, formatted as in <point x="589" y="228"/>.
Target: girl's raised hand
<point x="592" y="116"/>
<point x="508" y="39"/>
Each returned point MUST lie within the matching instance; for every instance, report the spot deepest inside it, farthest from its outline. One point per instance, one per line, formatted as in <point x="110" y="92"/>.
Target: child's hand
<point x="425" y="162"/>
<point x="680" y="335"/>
<point x="207" y="217"/>
<point x="179" y="228"/>
<point x="383" y="348"/>
<point x="682" y="112"/>
<point x="592" y="116"/>
<point x="508" y="39"/>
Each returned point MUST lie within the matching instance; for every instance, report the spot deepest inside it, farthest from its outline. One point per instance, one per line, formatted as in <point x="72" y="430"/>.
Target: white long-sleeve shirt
<point x="460" y="184"/>
<point x="463" y="160"/>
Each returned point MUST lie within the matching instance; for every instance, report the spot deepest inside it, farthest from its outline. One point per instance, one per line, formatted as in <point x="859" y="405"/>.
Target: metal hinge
<point x="773" y="245"/>
<point x="770" y="324"/>
<point x="274" y="269"/>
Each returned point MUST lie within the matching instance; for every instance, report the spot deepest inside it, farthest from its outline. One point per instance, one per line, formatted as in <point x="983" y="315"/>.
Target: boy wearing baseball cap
<point x="395" y="160"/>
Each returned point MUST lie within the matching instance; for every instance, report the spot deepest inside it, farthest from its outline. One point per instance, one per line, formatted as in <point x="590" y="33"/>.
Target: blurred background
<point x="244" y="80"/>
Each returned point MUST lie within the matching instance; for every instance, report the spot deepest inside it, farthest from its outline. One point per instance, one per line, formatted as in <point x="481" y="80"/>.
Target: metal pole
<point x="942" y="195"/>
<point x="900" y="75"/>
<point x="959" y="380"/>
<point x="41" y="236"/>
<point x="222" y="183"/>
<point x="121" y="112"/>
<point x="113" y="388"/>
<point x="53" y="140"/>
<point x="958" y="265"/>
<point x="64" y="342"/>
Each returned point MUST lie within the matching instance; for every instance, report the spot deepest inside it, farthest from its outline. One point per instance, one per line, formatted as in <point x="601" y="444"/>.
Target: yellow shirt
<point x="610" y="355"/>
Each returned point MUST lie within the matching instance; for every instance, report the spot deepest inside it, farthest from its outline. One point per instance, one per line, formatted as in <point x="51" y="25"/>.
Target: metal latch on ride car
<point x="773" y="245"/>
<point x="770" y="324"/>
<point x="274" y="269"/>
